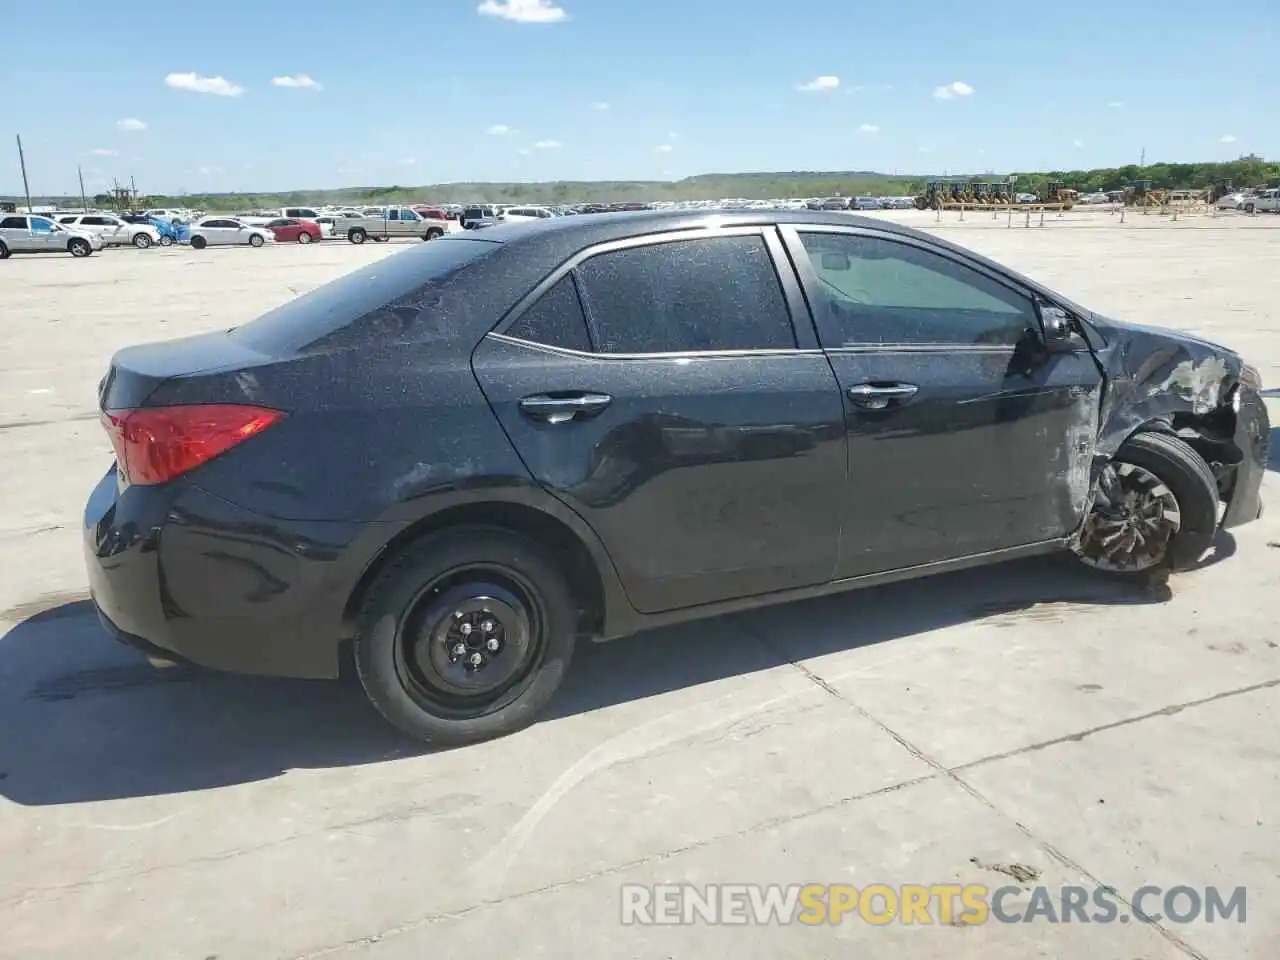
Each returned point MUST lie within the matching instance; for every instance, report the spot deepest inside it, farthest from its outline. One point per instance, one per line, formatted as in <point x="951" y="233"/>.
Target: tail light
<point x="156" y="444"/>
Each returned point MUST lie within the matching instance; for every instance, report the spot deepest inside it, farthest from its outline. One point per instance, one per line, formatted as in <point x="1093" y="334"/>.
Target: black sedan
<point x="461" y="460"/>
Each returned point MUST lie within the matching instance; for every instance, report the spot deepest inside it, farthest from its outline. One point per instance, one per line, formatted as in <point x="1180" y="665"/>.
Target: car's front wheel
<point x="4" y="251"/>
<point x="166" y="241"/>
<point x="199" y="243"/>
<point x="1156" y="505"/>
<point x="79" y="248"/>
<point x="141" y="241"/>
<point x="304" y="237"/>
<point x="255" y="240"/>
<point x="466" y="635"/>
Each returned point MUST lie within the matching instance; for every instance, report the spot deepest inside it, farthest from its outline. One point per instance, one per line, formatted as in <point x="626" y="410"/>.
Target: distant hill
<point x="1247" y="171"/>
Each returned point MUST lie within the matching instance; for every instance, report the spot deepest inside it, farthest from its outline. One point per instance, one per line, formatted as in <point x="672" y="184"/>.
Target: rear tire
<point x="4" y="251"/>
<point x="465" y="636"/>
<point x="142" y="241"/>
<point x="435" y="233"/>
<point x="255" y="240"/>
<point x="1249" y="208"/>
<point x="79" y="248"/>
<point x="199" y="243"/>
<point x="305" y="237"/>
<point x="1162" y="510"/>
<point x="166" y="241"/>
<point x="357" y="235"/>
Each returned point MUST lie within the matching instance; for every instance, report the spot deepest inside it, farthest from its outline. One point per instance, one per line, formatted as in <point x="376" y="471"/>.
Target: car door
<point x="15" y="231"/>
<point x="966" y="434"/>
<point x="44" y="237"/>
<point x="657" y="387"/>
<point x="114" y="230"/>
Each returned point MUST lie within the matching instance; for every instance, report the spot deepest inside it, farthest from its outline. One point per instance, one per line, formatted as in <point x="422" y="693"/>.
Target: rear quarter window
<point x="389" y="299"/>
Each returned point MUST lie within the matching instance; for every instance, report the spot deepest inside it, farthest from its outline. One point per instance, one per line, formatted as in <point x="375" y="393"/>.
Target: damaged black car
<point x="451" y="466"/>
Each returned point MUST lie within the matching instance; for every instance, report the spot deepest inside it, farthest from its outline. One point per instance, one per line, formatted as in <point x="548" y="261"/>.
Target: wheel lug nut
<point x="487" y="626"/>
<point x="459" y="649"/>
<point x="492" y="644"/>
<point x="466" y="629"/>
<point x="476" y="659"/>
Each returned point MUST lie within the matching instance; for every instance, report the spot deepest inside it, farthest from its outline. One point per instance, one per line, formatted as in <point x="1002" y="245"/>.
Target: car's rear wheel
<point x="255" y="240"/>
<point x="4" y="252"/>
<point x="166" y="241"/>
<point x="305" y="237"/>
<point x="1156" y="505"/>
<point x="1249" y="208"/>
<point x="199" y="243"/>
<point x="465" y="636"/>
<point x="79" y="248"/>
<point x="434" y="233"/>
<point x="357" y="235"/>
<point x="141" y="241"/>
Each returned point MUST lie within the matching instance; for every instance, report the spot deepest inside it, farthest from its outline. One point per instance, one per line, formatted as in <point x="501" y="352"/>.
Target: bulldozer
<point x="1140" y="193"/>
<point x="936" y="193"/>
<point x="1219" y="190"/>
<point x="1055" y="193"/>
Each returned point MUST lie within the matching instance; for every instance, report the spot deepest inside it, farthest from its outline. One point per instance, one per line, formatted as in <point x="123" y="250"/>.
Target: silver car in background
<point x="22" y="233"/>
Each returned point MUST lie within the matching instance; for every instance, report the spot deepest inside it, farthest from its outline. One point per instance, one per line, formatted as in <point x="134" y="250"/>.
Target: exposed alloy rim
<point x="79" y="248"/>
<point x="304" y="237"/>
<point x="469" y="641"/>
<point x="1133" y="518"/>
<point x="255" y="241"/>
<point x="142" y="241"/>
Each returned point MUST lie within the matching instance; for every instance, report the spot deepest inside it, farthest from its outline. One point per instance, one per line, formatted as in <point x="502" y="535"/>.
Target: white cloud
<point x="208" y="170"/>
<point x="926" y="149"/>
<point x="1226" y="138"/>
<point x="823" y="84"/>
<point x="499" y="130"/>
<point x="217" y="86"/>
<point x="868" y="128"/>
<point x="130" y="125"/>
<point x="1116" y="104"/>
<point x="949" y="91"/>
<point x="297" y="82"/>
<point x="548" y="145"/>
<point x="523" y="11"/>
<point x="1077" y="143"/>
<point x="408" y="162"/>
<point x="600" y="105"/>
<point x="663" y="148"/>
<point x="525" y="151"/>
<point x="103" y="152"/>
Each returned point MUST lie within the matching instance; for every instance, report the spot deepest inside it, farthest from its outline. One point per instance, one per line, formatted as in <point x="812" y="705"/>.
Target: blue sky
<point x="429" y="91"/>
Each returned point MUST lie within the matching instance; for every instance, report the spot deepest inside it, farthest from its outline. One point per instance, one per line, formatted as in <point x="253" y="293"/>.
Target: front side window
<point x="701" y="294"/>
<point x="555" y="319"/>
<point x="876" y="291"/>
<point x="41" y="225"/>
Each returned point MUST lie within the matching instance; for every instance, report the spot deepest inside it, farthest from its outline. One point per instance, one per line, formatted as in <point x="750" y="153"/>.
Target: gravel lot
<point x="948" y="730"/>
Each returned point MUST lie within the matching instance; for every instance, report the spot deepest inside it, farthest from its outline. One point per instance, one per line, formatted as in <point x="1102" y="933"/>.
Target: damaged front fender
<point x="1167" y="380"/>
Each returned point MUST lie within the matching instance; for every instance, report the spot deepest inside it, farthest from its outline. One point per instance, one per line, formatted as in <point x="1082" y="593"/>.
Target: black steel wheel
<point x="1156" y="505"/>
<point x="466" y="635"/>
<point x="198" y="242"/>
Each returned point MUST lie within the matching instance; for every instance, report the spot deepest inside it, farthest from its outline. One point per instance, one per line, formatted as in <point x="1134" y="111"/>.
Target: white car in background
<point x="113" y="231"/>
<point x="514" y="214"/>
<point x="227" y="232"/>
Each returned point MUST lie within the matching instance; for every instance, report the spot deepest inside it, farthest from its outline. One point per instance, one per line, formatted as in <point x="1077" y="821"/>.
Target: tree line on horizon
<point x="1245" y="172"/>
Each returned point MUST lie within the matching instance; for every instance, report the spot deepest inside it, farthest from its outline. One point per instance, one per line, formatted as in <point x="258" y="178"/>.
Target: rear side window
<point x="13" y="223"/>
<point x="555" y="319"/>
<point x="703" y="294"/>
<point x="387" y="298"/>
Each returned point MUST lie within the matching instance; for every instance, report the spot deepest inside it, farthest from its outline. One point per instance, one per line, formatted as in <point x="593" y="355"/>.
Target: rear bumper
<point x="1253" y="438"/>
<point x="185" y="575"/>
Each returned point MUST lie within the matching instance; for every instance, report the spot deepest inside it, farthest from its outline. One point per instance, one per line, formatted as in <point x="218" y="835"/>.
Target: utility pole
<point x="1142" y="157"/>
<point x="22" y="162"/>
<point x="84" y="202"/>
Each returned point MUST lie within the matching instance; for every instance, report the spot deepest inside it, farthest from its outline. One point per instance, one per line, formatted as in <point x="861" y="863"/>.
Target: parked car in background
<point x="515" y="214"/>
<point x="20" y="233"/>
<point x="114" y="231"/>
<point x="1231" y="201"/>
<point x="431" y="213"/>
<point x="225" y="232"/>
<point x="477" y="211"/>
<point x="389" y="223"/>
<point x="1267" y="201"/>
<point x="167" y="230"/>
<point x="865" y="203"/>
<point x="291" y="230"/>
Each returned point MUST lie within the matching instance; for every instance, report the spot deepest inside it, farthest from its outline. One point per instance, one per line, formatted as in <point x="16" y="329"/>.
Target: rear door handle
<point x="562" y="409"/>
<point x="878" y="396"/>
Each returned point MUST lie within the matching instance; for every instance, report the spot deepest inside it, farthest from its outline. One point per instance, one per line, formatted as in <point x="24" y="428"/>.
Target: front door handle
<point x="878" y="396"/>
<point x="562" y="409"/>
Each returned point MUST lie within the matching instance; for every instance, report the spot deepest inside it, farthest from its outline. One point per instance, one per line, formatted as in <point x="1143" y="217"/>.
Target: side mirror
<point x="1059" y="331"/>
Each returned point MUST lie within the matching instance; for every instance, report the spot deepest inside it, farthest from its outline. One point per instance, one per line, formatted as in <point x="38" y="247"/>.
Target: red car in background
<point x="290" y="230"/>
<point x="431" y="213"/>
